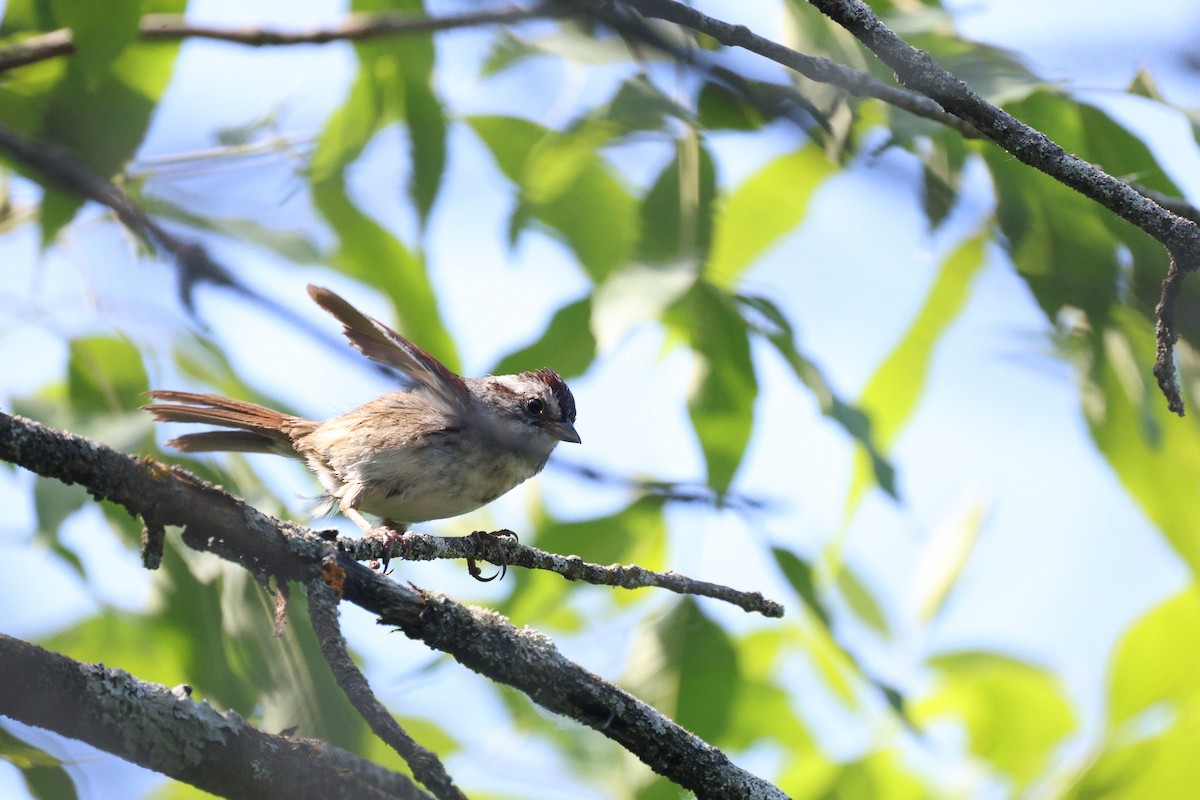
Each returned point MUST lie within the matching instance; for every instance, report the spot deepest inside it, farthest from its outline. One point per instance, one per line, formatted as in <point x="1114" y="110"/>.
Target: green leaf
<point x="53" y="502"/>
<point x="565" y="185"/>
<point x="861" y="601"/>
<point x="799" y="574"/>
<point x="100" y="31"/>
<point x="1155" y="455"/>
<point x="1015" y="713"/>
<point x="891" y="395"/>
<point x="567" y="346"/>
<point x="105" y="375"/>
<point x="762" y="209"/>
<point x="45" y="776"/>
<point x="677" y="211"/>
<point x="943" y="558"/>
<point x="1158" y="660"/>
<point x="776" y="328"/>
<point x="700" y="668"/>
<point x="722" y="403"/>
<point x="719" y="108"/>
<point x="1153" y="699"/>
<point x="366" y="250"/>
<point x="294" y="245"/>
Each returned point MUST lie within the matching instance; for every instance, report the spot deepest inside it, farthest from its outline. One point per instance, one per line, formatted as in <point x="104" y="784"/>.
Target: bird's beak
<point x="563" y="431"/>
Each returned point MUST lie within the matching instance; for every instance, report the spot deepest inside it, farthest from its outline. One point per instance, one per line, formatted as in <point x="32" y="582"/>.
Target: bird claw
<point x="387" y="538"/>
<point x="495" y="538"/>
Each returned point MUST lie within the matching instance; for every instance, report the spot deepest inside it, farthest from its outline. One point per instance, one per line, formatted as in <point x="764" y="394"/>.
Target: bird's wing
<point x="380" y="343"/>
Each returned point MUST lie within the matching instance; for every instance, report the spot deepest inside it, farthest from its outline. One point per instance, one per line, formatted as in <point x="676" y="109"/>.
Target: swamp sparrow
<point x="441" y="448"/>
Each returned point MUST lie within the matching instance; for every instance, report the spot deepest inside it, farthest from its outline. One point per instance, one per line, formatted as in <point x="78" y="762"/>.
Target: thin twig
<point x="822" y="70"/>
<point x="427" y="547"/>
<point x="425" y="765"/>
<point x="354" y="28"/>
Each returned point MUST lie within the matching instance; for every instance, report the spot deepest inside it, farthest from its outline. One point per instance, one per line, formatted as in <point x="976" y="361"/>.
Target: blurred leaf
<point x="640" y="105"/>
<point x="54" y="501"/>
<point x="722" y="403"/>
<point x="677" y="211"/>
<point x="1157" y="661"/>
<point x="890" y="396"/>
<point x="567" y="346"/>
<point x="1015" y="713"/>
<point x="778" y="331"/>
<point x="44" y="775"/>
<point x="635" y="295"/>
<point x="564" y="184"/>
<point x="943" y="557"/>
<point x="1153" y="705"/>
<point x="1155" y="455"/>
<point x="366" y="250"/>
<point x="880" y="774"/>
<point x="294" y="245"/>
<point x="799" y="574"/>
<point x="634" y="535"/>
<point x="767" y="205"/>
<point x="861" y="601"/>
<point x="701" y="662"/>
<point x="105" y="375"/>
<point x="112" y="84"/>
<point x="721" y="109"/>
<point x="100" y="31"/>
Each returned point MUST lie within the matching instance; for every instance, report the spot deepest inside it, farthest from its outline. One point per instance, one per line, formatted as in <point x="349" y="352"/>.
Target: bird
<point x="441" y="447"/>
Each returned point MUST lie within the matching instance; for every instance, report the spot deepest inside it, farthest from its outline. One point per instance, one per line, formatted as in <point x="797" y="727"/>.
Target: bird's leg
<point x="388" y="533"/>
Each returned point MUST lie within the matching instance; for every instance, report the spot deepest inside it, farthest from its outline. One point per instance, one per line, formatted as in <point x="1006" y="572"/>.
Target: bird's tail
<point x="257" y="429"/>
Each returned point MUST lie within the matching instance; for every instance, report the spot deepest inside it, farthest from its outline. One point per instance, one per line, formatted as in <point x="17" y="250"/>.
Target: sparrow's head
<point x="535" y="409"/>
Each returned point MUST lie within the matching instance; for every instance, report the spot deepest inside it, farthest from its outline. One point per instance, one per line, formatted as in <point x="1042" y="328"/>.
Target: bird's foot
<point x="388" y="534"/>
<point x="496" y="538"/>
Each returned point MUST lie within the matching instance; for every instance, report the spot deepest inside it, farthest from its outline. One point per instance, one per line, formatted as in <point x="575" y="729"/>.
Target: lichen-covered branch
<point x="426" y="547"/>
<point x="815" y="68"/>
<point x="916" y="70"/>
<point x="481" y="640"/>
<point x="353" y="28"/>
<point x="425" y="765"/>
<point x="168" y="732"/>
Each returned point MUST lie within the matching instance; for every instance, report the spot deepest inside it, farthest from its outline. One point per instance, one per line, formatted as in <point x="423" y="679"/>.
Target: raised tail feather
<point x="258" y="429"/>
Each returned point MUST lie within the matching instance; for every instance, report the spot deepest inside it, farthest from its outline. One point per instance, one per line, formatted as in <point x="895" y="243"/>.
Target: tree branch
<point x="480" y="639"/>
<point x="917" y="70"/>
<point x="166" y="731"/>
<point x="353" y="28"/>
<point x="822" y="70"/>
<point x="427" y="547"/>
<point x="425" y="765"/>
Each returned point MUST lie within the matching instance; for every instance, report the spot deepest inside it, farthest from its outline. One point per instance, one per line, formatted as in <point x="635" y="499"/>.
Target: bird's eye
<point x="535" y="406"/>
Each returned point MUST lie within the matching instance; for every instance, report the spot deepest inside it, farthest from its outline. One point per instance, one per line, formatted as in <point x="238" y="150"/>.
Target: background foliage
<point x="906" y="377"/>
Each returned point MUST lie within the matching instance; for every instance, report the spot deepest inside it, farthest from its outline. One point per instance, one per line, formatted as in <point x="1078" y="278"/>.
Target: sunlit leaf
<point x="722" y="403"/>
<point x="1155" y="455"/>
<point x="767" y="205"/>
<point x="572" y="191"/>
<point x="1015" y="713"/>
<point x="567" y="345"/>
<point x="105" y="375"/>
<point x="861" y="601"/>
<point x="677" y="211"/>
<point x="943" y="557"/>
<point x="776" y="328"/>
<point x="891" y="395"/>
<point x="799" y="574"/>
